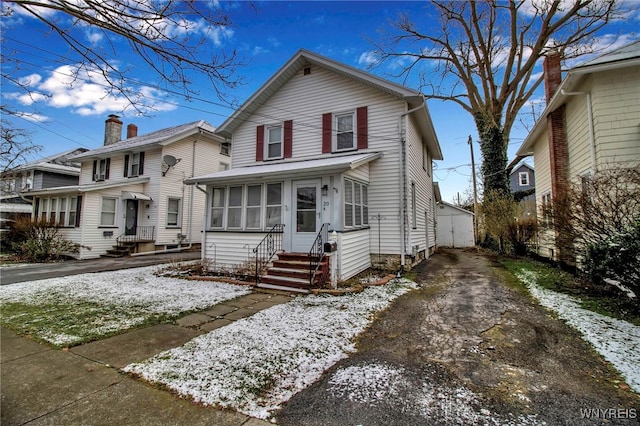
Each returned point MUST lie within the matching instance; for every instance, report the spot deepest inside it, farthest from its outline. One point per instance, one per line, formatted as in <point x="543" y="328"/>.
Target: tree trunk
<point x="494" y="155"/>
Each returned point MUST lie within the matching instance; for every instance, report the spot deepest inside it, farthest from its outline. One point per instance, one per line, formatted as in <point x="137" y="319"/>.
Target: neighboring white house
<point x="17" y="184"/>
<point x="325" y="147"/>
<point x="455" y="226"/>
<point x="131" y="196"/>
<point x="591" y="123"/>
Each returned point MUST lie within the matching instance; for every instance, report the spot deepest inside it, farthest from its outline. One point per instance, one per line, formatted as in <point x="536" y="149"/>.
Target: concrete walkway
<point x="84" y="385"/>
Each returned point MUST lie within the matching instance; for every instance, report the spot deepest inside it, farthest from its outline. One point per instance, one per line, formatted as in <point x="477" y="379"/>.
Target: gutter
<point x="403" y="186"/>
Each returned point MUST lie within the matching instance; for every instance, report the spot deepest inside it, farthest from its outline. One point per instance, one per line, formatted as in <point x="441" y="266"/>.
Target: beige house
<point x="323" y="151"/>
<point x="131" y="196"/>
<point x="591" y="123"/>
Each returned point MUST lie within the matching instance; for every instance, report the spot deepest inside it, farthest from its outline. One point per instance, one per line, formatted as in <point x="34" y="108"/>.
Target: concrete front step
<point x="283" y="288"/>
<point x="285" y="281"/>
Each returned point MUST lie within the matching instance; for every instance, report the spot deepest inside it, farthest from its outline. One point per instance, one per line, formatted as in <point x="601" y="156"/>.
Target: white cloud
<point x="368" y="58"/>
<point x="257" y="50"/>
<point x="219" y="34"/>
<point x="274" y="42"/>
<point x="87" y="92"/>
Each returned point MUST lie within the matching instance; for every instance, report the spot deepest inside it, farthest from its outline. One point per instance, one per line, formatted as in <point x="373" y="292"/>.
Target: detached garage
<point x="455" y="226"/>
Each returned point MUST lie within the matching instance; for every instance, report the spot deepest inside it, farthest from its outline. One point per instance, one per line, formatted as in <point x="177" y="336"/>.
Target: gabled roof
<point x="57" y="163"/>
<point x="305" y="58"/>
<point x="623" y="57"/>
<point x="158" y="138"/>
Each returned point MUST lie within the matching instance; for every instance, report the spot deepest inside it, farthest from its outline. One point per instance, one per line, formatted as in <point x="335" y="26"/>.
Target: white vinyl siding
<point x="354" y="255"/>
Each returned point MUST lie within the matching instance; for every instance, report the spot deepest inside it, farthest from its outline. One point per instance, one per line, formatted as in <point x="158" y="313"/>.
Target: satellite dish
<point x="170" y="160"/>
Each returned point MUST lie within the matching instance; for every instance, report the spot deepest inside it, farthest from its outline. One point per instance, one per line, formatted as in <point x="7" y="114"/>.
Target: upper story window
<point x="101" y="169"/>
<point x="225" y="148"/>
<point x="523" y="178"/>
<point x="134" y="164"/>
<point x="345" y="132"/>
<point x="274" y="142"/>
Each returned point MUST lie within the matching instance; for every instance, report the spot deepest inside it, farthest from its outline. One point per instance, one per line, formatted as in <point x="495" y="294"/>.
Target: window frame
<point x="103" y="212"/>
<point x="263" y="208"/>
<point x="336" y="134"/>
<point x="520" y="180"/>
<point x="268" y="142"/>
<point x="133" y="163"/>
<point x="177" y="213"/>
<point x="101" y="174"/>
<point x="359" y="204"/>
<point x="414" y="209"/>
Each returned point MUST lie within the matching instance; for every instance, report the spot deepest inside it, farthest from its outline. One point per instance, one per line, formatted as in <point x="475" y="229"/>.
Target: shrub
<point x="505" y="223"/>
<point x="616" y="258"/>
<point x="38" y="241"/>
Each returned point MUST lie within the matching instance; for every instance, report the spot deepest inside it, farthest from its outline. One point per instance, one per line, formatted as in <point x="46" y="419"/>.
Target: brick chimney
<point x="552" y="73"/>
<point x="132" y="131"/>
<point x="112" y="130"/>
<point x="558" y="158"/>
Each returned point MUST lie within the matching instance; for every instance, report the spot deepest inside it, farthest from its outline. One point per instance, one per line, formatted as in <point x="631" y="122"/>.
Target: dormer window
<point x="523" y="178"/>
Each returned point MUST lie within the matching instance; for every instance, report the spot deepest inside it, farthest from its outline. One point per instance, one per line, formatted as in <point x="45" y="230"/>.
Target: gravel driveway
<point x="466" y="348"/>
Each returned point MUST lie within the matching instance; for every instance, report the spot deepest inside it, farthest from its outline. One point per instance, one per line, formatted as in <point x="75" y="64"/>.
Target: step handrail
<point x="267" y="248"/>
<point x="316" y="254"/>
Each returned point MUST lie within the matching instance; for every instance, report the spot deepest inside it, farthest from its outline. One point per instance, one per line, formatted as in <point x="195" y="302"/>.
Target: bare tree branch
<point x="176" y="39"/>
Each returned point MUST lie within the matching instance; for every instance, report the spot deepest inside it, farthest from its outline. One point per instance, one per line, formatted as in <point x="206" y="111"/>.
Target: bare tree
<point x="174" y="38"/>
<point x="483" y="56"/>
<point x="15" y="147"/>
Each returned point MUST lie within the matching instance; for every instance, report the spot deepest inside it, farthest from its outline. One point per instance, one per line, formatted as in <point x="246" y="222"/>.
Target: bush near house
<point x="37" y="241"/>
<point x="505" y="223"/>
<point x="602" y="216"/>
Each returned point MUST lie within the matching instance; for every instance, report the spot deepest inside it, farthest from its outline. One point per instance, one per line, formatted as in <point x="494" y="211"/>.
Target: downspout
<point x="592" y="137"/>
<point x="204" y="223"/>
<point x="403" y="187"/>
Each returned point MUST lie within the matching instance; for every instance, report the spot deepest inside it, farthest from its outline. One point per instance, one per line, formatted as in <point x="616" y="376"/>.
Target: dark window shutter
<point x="259" y="143"/>
<point x="141" y="167"/>
<point x="95" y="169"/>
<point x="326" y="132"/>
<point x="362" y="120"/>
<point x="288" y="139"/>
<point x="126" y="165"/>
<point x="78" y="210"/>
<point x="106" y="168"/>
<point x="36" y="207"/>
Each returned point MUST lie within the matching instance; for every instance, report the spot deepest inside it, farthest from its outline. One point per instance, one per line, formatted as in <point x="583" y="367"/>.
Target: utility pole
<point x="475" y="193"/>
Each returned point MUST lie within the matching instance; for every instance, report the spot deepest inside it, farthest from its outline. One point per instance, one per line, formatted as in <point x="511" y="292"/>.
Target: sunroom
<point x="292" y="207"/>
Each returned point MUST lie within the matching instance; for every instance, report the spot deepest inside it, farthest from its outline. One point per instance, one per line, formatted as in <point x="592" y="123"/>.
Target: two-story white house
<point x="591" y="123"/>
<point x="131" y="196"/>
<point x="323" y="150"/>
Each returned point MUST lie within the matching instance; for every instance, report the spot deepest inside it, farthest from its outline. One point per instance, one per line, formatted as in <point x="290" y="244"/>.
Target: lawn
<point x="255" y="364"/>
<point x="71" y="310"/>
<point x="618" y="341"/>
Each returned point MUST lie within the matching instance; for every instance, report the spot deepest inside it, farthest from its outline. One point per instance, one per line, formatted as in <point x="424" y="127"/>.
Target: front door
<point x="131" y="217"/>
<point x="306" y="214"/>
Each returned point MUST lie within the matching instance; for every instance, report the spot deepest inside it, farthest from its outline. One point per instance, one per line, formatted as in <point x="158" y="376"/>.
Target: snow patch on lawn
<point x="255" y="364"/>
<point x="109" y="302"/>
<point x="616" y="340"/>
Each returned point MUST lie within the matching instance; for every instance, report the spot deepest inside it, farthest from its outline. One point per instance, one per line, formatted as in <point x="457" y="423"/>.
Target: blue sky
<point x="266" y="35"/>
